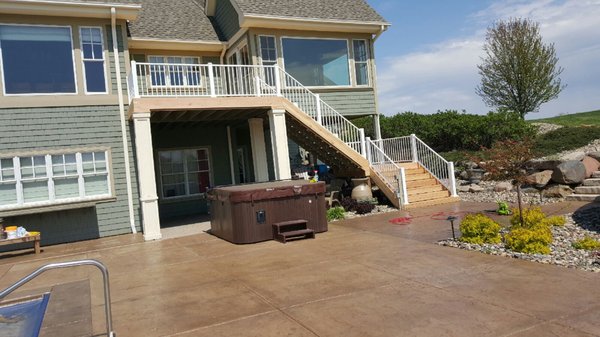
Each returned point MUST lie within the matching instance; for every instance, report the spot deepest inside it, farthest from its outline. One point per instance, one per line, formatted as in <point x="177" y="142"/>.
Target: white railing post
<point x="319" y="116"/>
<point x="363" y="144"/>
<point x="257" y="85"/>
<point x="211" y="80"/>
<point x="402" y="190"/>
<point x="277" y="81"/>
<point x="134" y="80"/>
<point x="413" y="146"/>
<point x="452" y="179"/>
<point x="369" y="156"/>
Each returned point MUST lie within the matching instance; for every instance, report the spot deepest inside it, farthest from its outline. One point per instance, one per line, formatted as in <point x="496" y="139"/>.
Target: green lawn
<point x="578" y="119"/>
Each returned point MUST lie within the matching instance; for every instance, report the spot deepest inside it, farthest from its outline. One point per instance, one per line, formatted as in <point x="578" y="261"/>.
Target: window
<point x="37" y="60"/>
<point x="53" y="178"/>
<point x="175" y="71"/>
<point x="92" y="51"/>
<point x="361" y="62"/>
<point x="317" y="62"/>
<point x="184" y="172"/>
<point x="268" y="56"/>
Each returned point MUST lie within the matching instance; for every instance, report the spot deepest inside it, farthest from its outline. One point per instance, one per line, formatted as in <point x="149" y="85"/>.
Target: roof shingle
<point x="173" y="20"/>
<point x="346" y="10"/>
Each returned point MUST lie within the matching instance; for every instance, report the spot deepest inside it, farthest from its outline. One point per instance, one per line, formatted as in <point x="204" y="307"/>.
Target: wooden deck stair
<point x="423" y="188"/>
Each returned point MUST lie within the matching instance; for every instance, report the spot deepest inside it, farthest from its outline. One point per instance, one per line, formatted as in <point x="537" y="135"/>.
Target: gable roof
<point x="181" y="20"/>
<point x="334" y="10"/>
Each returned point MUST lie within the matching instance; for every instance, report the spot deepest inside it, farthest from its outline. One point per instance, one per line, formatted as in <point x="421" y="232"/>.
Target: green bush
<point x="565" y="138"/>
<point x="451" y="130"/>
<point x="534" y="235"/>
<point x="479" y="229"/>
<point x="531" y="241"/>
<point x="587" y="243"/>
<point x="534" y="218"/>
<point x="336" y="213"/>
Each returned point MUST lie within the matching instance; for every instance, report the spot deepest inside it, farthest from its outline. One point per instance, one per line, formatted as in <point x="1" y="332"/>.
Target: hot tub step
<point x="291" y="230"/>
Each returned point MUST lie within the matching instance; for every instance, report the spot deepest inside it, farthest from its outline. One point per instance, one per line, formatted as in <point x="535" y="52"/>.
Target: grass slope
<point x="579" y="119"/>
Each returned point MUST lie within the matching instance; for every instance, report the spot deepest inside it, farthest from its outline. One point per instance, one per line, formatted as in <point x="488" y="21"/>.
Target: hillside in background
<point x="578" y="119"/>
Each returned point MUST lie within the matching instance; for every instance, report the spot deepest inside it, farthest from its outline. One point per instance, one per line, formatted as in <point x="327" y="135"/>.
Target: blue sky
<point x="427" y="60"/>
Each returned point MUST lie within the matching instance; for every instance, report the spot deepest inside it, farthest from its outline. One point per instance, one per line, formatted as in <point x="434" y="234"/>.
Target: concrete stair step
<point x="587" y="190"/>
<point x="424" y="189"/>
<point x="428" y="196"/>
<point x="596" y="174"/>
<point x="584" y="197"/>
<point x="432" y="202"/>
<point x="592" y="182"/>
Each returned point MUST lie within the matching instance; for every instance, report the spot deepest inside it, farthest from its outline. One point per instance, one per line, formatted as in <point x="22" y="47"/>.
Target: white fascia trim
<point x="147" y="43"/>
<point x="295" y="23"/>
<point x="68" y="9"/>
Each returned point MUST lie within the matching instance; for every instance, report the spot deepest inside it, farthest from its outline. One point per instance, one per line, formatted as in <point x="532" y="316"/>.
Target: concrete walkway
<point x="365" y="277"/>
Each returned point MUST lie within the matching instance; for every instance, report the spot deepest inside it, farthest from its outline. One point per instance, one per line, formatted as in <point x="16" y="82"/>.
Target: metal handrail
<point x="60" y="265"/>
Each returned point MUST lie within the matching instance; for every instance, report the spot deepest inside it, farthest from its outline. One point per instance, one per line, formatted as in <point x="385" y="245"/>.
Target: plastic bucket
<point x="11" y="232"/>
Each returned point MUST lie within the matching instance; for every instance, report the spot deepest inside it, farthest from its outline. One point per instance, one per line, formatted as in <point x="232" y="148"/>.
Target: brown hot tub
<point x="246" y="213"/>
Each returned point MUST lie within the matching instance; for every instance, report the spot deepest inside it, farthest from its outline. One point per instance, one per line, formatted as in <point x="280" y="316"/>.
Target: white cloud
<point x="444" y="76"/>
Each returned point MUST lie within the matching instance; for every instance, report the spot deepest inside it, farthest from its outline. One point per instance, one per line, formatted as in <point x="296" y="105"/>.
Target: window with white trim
<point x="92" y="53"/>
<point x="53" y="178"/>
<point x="184" y="172"/>
<point x="175" y="71"/>
<point x="361" y="62"/>
<point x="37" y="59"/>
<point x="268" y="56"/>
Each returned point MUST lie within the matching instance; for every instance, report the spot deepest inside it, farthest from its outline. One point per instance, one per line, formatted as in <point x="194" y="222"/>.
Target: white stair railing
<point x="321" y="112"/>
<point x="435" y="164"/>
<point x="393" y="175"/>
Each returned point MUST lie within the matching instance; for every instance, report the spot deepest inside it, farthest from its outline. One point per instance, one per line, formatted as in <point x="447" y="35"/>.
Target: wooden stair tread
<point x="432" y="202"/>
<point x="425" y="189"/>
<point x="297" y="232"/>
<point x="428" y="196"/>
<point x="290" y="222"/>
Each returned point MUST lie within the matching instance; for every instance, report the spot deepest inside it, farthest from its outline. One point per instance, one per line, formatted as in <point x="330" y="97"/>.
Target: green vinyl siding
<point x="63" y="128"/>
<point x="351" y="102"/>
<point x="227" y="19"/>
<point x="182" y="136"/>
<point x="112" y="68"/>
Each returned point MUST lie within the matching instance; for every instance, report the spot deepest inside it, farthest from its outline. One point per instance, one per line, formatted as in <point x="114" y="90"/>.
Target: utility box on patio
<point x="246" y="213"/>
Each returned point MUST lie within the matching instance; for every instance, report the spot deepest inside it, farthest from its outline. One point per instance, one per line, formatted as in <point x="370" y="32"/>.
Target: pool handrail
<point x="76" y="263"/>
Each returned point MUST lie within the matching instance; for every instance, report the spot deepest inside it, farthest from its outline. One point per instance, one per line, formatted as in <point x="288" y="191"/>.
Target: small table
<point x="29" y="238"/>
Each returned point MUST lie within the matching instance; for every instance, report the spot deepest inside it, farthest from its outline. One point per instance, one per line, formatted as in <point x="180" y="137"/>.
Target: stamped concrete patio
<point x="365" y="277"/>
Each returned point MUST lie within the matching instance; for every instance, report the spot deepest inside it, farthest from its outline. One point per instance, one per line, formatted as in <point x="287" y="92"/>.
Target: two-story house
<point x="101" y="138"/>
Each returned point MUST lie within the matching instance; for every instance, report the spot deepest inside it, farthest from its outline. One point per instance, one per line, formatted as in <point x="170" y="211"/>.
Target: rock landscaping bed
<point x="487" y="191"/>
<point x="578" y="226"/>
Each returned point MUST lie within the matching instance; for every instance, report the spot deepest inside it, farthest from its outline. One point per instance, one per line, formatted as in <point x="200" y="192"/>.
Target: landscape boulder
<point x="539" y="179"/>
<point x="578" y="155"/>
<point x="569" y="173"/>
<point x="503" y="186"/>
<point x="542" y="165"/>
<point x="475" y="188"/>
<point x="464" y="188"/>
<point x="557" y="191"/>
<point x="591" y="165"/>
<point x="595" y="155"/>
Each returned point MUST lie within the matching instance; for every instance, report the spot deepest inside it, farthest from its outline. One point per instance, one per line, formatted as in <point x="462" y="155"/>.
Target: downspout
<point x="223" y="53"/>
<point x="113" y="22"/>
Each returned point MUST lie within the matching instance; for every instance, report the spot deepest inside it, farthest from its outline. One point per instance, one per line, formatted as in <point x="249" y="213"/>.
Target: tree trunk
<point x="520" y="202"/>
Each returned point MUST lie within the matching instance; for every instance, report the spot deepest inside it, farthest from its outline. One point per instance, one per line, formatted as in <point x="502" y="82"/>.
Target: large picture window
<point x="184" y="172"/>
<point x="175" y="71"/>
<point x="92" y="50"/>
<point x="37" y="59"/>
<point x="53" y="178"/>
<point x="317" y="62"/>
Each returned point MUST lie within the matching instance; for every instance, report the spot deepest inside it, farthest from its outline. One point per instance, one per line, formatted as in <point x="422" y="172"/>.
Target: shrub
<point x="335" y="213"/>
<point x="587" y="243"/>
<point x="349" y="204"/>
<point x="364" y="207"/>
<point x="479" y="229"/>
<point x="534" y="218"/>
<point x="531" y="241"/>
<point x="565" y="138"/>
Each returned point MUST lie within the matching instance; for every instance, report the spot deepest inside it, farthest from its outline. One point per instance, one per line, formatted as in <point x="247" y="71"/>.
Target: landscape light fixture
<point x="451" y="219"/>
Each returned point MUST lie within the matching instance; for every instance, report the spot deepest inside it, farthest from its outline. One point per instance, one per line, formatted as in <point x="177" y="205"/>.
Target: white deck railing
<point x="216" y="80"/>
<point x="391" y="173"/>
<point x="412" y="149"/>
